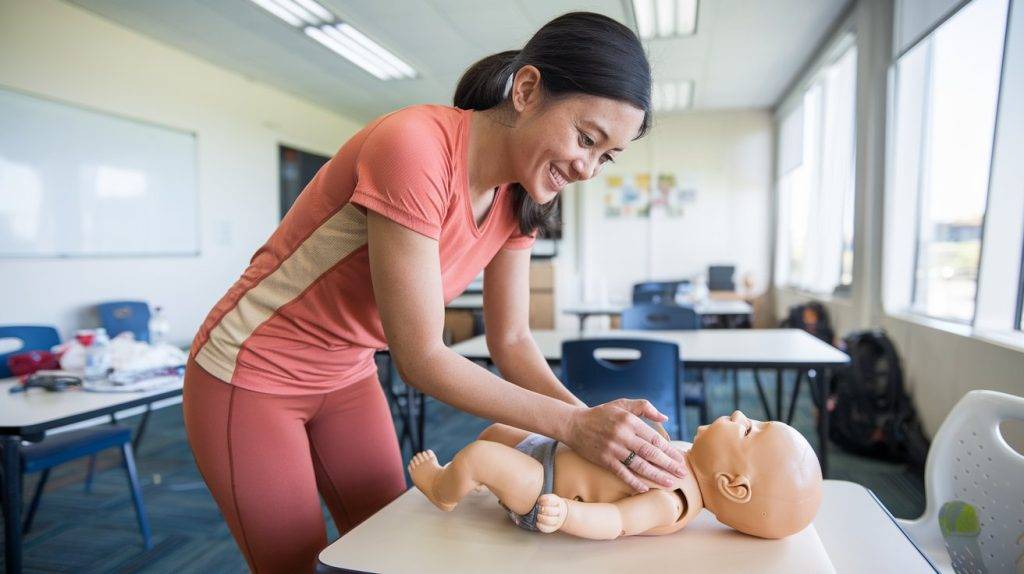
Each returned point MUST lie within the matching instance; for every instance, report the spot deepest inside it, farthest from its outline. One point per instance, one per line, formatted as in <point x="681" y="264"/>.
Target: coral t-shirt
<point x="302" y="318"/>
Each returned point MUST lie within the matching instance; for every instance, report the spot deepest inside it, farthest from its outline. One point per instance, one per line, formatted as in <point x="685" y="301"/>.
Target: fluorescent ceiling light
<point x="672" y="96"/>
<point x="346" y="52"/>
<point x="341" y="38"/>
<point x="644" y="12"/>
<point x="390" y="60"/>
<point x="686" y="17"/>
<point x="665" y="18"/>
<point x="276" y="10"/>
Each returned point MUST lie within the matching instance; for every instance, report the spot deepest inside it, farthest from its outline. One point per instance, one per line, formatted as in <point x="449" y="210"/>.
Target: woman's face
<point x="568" y="139"/>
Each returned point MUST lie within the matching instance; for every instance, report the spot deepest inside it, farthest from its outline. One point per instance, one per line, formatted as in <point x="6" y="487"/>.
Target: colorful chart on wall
<point x="641" y="195"/>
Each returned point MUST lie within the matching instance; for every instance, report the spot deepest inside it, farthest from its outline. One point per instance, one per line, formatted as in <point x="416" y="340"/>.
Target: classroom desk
<point x="27" y="416"/>
<point x="727" y="311"/>
<point x="467" y="302"/>
<point x="778" y="349"/>
<point x="856" y="533"/>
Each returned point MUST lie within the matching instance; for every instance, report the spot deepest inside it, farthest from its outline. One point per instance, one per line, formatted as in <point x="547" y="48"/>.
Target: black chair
<point x="653" y="375"/>
<point x="720" y="278"/>
<point x="64" y="447"/>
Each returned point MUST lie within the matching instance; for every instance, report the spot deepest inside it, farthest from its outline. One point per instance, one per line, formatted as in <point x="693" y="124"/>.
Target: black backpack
<point x="870" y="412"/>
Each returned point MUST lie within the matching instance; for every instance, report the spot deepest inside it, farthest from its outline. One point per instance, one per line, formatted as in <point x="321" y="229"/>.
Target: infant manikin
<point x="761" y="478"/>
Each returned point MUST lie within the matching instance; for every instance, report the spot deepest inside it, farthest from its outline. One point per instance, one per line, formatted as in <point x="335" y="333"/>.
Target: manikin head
<point x="761" y="478"/>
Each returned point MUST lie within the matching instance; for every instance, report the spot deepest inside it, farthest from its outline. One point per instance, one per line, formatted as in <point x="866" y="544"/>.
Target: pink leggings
<point x="265" y="456"/>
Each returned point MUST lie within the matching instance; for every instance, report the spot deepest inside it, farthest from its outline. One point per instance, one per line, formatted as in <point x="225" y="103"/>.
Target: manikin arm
<point x="605" y="521"/>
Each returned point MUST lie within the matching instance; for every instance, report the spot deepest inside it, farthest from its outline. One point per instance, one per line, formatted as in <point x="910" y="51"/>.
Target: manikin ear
<point x="734" y="487"/>
<point x="525" y="87"/>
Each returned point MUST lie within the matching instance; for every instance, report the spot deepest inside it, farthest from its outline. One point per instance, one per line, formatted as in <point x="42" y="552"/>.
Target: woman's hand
<point x="608" y="433"/>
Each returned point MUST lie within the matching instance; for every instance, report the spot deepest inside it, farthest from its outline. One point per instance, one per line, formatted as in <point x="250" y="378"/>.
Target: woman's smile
<point x="558" y="180"/>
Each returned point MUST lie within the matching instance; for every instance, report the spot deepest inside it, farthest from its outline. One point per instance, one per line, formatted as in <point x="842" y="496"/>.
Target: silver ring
<point x="629" y="459"/>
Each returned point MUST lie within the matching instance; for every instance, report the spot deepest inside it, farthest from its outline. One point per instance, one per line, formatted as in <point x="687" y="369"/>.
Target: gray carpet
<point x="84" y="533"/>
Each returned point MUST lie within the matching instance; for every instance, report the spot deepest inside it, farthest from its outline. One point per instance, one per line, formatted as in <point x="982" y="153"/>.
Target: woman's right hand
<point x="608" y="433"/>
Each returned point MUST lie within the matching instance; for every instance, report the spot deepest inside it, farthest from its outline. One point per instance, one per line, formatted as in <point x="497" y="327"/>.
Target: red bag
<point x="31" y="361"/>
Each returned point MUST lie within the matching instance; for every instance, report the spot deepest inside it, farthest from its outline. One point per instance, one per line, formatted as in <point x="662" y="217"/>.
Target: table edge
<point x="324" y="568"/>
<point x="23" y="430"/>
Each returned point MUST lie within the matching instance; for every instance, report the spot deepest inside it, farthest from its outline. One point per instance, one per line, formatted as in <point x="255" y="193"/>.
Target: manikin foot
<point x="424" y="470"/>
<point x="552" y="511"/>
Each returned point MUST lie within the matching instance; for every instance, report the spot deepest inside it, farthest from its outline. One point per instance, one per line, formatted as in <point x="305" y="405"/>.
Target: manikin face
<point x="761" y="478"/>
<point x="559" y="141"/>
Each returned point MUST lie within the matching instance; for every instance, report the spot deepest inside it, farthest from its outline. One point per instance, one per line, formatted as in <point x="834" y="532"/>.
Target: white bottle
<point x="97" y="355"/>
<point x="159" y="326"/>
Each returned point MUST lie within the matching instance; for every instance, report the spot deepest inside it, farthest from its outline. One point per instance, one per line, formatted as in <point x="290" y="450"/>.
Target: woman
<point x="281" y="394"/>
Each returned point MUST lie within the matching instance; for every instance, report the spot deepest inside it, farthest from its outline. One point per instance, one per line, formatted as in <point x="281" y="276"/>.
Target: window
<point x="947" y="88"/>
<point x="816" y="179"/>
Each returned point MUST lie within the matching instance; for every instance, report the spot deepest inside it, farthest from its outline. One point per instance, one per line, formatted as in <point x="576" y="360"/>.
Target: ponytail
<point x="482" y="87"/>
<point x="577" y="53"/>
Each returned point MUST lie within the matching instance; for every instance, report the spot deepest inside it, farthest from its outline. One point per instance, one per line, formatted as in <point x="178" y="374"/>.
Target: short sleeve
<point x="403" y="172"/>
<point x="520" y="241"/>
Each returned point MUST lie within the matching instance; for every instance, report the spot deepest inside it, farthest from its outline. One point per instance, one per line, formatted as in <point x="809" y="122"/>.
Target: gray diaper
<point x="542" y="449"/>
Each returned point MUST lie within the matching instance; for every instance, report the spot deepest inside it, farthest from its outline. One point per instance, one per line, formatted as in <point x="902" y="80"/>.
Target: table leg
<point x="421" y="428"/>
<point x="796" y="394"/>
<point x="12" y="502"/>
<point x="778" y="394"/>
<point x="761" y="394"/>
<point x="411" y="420"/>
<point x="142" y="427"/>
<point x="735" y="389"/>
<point x="821" y="382"/>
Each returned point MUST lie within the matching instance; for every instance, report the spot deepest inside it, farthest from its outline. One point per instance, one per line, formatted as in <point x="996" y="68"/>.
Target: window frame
<point x="910" y="306"/>
<point x="835" y="53"/>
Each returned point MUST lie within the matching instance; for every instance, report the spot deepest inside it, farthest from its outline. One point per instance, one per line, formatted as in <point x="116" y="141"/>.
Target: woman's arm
<point x="405" y="270"/>
<point x="507" y="315"/>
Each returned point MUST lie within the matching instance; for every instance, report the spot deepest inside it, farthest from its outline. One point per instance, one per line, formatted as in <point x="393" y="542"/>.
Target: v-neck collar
<point x="477" y="230"/>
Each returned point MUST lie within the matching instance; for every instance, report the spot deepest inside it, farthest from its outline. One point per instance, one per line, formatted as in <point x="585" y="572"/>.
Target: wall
<point x="727" y="157"/>
<point x="62" y="52"/>
<point x="941" y="361"/>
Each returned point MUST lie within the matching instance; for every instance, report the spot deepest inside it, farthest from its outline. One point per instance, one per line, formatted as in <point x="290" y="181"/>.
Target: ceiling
<point x="744" y="54"/>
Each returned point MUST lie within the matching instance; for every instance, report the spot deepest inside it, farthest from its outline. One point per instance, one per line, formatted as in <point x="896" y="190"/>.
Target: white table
<point x="467" y="302"/>
<point x="726" y="310"/>
<point x="28" y="415"/>
<point x="778" y="349"/>
<point x="856" y="534"/>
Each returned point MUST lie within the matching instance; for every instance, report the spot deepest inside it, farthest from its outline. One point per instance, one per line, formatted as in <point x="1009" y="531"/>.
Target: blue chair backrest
<point x="655" y="292"/>
<point x="653" y="317"/>
<point x="28" y="338"/>
<point x="652" y="375"/>
<point x="120" y="316"/>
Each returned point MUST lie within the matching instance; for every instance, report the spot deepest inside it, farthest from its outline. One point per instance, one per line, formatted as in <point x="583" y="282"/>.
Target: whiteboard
<point x="79" y="183"/>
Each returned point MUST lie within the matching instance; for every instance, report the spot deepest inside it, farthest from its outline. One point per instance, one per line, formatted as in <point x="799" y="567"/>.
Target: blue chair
<point x="653" y="317"/>
<point x="652" y="376"/>
<point x="120" y="316"/>
<point x="659" y="317"/>
<point x="654" y="292"/>
<point x="32" y="337"/>
<point x="64" y="447"/>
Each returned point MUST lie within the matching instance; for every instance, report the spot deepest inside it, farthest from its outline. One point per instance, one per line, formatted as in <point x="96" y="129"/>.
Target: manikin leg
<point x="515" y="478"/>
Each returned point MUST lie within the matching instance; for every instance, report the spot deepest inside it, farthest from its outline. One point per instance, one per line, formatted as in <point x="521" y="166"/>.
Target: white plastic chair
<point x="970" y="463"/>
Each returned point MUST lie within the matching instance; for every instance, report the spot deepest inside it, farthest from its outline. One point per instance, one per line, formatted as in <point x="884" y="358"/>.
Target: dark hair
<point x="577" y="53"/>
